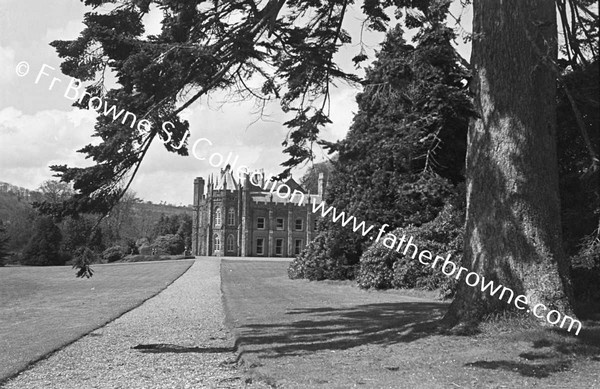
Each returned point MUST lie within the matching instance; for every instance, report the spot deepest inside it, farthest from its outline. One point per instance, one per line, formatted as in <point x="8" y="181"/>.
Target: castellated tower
<point x="251" y="216"/>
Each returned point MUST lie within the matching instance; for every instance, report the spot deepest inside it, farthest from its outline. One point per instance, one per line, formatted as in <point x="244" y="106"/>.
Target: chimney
<point x="321" y="184"/>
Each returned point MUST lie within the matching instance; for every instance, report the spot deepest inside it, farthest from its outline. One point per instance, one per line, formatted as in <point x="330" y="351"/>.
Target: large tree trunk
<point x="513" y="229"/>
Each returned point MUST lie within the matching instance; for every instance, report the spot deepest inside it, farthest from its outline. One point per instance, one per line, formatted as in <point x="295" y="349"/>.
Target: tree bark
<point x="513" y="227"/>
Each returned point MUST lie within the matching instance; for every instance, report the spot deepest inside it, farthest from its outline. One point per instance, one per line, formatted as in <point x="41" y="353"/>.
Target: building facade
<point x="252" y="216"/>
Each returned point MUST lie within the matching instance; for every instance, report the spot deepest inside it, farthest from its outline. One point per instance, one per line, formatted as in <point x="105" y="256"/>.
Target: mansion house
<point x="233" y="218"/>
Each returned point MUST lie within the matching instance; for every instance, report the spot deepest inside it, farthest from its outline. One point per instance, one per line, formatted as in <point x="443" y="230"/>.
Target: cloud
<point x="152" y="21"/>
<point x="7" y="64"/>
<point x="30" y="143"/>
<point x="343" y="108"/>
<point x="168" y="176"/>
<point x="41" y="128"/>
<point x="68" y="31"/>
<point x="236" y="136"/>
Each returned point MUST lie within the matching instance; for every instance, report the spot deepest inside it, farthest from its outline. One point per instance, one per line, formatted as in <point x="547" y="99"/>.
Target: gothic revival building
<point x="256" y="217"/>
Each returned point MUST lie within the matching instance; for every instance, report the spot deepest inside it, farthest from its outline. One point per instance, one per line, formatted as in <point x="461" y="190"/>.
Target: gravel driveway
<point x="174" y="340"/>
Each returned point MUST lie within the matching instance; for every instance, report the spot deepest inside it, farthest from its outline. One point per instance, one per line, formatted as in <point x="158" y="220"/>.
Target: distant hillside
<point x="20" y="193"/>
<point x="140" y="219"/>
<point x="17" y="214"/>
<point x="162" y="208"/>
<point x="12" y="204"/>
<point x="14" y="198"/>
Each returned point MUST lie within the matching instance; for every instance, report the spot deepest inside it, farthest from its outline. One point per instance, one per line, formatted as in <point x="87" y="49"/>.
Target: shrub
<point x="442" y="236"/>
<point x="171" y="244"/>
<point x="43" y="248"/>
<point x="375" y="270"/>
<point x="382" y="267"/>
<point x="113" y="254"/>
<point x="296" y="268"/>
<point x="323" y="258"/>
<point x="310" y="263"/>
<point x="146" y="258"/>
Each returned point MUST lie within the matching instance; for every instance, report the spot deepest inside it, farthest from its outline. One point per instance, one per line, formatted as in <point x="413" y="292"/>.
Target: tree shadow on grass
<point x="316" y="329"/>
<point x="553" y="352"/>
<point x="526" y="370"/>
<point x="557" y="342"/>
<point x="586" y="344"/>
<point x="303" y="331"/>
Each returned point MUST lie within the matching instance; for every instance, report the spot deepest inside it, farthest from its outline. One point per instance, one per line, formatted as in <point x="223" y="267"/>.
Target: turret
<point x="321" y="187"/>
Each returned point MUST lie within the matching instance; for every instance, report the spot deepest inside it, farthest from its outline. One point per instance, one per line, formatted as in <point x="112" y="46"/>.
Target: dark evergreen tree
<point x="185" y="229"/>
<point x="76" y="232"/>
<point x="405" y="150"/>
<point x="43" y="248"/>
<point x="579" y="178"/>
<point x="3" y="244"/>
<point x="96" y="241"/>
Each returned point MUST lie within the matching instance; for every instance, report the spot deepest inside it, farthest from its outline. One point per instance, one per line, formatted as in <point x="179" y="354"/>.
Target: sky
<point x="39" y="127"/>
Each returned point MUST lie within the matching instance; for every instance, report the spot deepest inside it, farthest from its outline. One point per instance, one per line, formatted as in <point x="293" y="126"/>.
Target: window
<point x="217" y="242"/>
<point x="298" y="224"/>
<point x="279" y="247"/>
<point x="280" y="223"/>
<point x="260" y="246"/>
<point x="217" y="216"/>
<point x="230" y="244"/>
<point x="297" y="246"/>
<point x="231" y="217"/>
<point x="260" y="223"/>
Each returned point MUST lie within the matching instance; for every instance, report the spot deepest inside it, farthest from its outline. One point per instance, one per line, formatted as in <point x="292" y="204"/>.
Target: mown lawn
<point x="45" y="308"/>
<point x="302" y="334"/>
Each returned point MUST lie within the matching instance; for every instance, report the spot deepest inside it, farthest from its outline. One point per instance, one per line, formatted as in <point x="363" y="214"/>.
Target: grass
<point x="45" y="308"/>
<point x="309" y="334"/>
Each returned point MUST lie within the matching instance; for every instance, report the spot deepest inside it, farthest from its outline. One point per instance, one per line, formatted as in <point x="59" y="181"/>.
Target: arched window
<point x="217" y="242"/>
<point x="217" y="216"/>
<point x="230" y="244"/>
<point x="231" y="217"/>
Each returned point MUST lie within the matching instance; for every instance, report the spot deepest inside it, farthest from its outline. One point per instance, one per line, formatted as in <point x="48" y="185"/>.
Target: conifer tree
<point x="3" y="244"/>
<point x="405" y="151"/>
<point x="43" y="248"/>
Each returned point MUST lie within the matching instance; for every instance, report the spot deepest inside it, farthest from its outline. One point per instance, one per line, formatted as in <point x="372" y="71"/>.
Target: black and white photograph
<point x="265" y="194"/>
